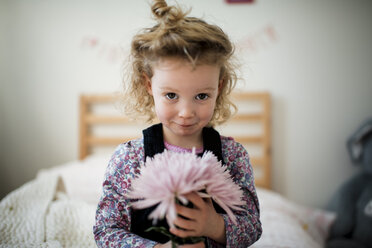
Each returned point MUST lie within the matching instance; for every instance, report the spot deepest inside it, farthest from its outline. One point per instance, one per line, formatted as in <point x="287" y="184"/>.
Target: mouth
<point x="186" y="125"/>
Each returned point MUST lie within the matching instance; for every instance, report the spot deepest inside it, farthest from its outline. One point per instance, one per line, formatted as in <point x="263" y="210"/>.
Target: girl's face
<point x="184" y="98"/>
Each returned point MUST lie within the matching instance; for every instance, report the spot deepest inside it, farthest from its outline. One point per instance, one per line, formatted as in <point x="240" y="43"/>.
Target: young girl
<point x="182" y="74"/>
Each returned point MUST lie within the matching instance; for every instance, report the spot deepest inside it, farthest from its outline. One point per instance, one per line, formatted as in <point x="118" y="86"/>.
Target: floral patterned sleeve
<point x="112" y="227"/>
<point x="248" y="229"/>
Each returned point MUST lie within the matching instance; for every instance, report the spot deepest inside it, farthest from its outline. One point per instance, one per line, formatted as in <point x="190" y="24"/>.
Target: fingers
<point x="198" y="204"/>
<point x="196" y="200"/>
<point x="186" y="224"/>
<point x="193" y="221"/>
<point x="182" y="233"/>
<point x="186" y="212"/>
<point x="197" y="245"/>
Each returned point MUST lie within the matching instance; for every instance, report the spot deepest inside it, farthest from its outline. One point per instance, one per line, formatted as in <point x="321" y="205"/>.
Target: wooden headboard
<point x="251" y="126"/>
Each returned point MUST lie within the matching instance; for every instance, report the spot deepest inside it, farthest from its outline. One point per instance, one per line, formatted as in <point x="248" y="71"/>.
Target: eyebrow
<point x="201" y="89"/>
<point x="166" y="88"/>
<point x="208" y="88"/>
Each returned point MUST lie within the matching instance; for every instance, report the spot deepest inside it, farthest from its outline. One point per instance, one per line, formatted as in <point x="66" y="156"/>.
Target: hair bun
<point x="169" y="15"/>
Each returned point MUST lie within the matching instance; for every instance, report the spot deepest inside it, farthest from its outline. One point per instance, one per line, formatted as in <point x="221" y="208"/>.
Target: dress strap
<point x="212" y="142"/>
<point x="153" y="140"/>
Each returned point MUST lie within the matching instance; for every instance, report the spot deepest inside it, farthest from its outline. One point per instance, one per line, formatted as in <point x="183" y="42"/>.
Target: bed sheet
<point x="285" y="223"/>
<point x="288" y="224"/>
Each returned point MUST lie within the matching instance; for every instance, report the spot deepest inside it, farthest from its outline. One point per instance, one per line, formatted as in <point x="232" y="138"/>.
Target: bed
<point x="57" y="208"/>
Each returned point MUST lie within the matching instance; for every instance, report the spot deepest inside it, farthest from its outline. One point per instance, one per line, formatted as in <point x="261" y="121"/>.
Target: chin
<point x="186" y="131"/>
<point x="185" y="134"/>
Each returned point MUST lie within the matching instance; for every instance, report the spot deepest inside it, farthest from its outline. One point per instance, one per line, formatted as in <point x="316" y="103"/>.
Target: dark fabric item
<point x="153" y="144"/>
<point x="344" y="243"/>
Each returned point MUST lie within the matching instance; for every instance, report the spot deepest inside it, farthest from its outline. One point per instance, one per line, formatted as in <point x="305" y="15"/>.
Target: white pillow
<point x="83" y="179"/>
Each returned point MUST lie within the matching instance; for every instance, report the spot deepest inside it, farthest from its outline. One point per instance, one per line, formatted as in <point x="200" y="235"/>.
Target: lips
<point x="186" y="125"/>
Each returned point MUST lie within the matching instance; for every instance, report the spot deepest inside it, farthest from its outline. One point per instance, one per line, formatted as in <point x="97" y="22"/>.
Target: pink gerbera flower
<point x="170" y="176"/>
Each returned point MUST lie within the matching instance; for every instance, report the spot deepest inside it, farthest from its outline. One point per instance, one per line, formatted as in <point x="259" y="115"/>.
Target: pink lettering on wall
<point x="254" y="42"/>
<point x="259" y="40"/>
<point x="111" y="53"/>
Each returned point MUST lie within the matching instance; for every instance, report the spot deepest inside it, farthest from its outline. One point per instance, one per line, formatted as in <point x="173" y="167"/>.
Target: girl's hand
<point x="169" y="245"/>
<point x="202" y="220"/>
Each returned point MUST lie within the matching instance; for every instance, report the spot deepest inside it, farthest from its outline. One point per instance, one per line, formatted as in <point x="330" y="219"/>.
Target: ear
<point x="220" y="85"/>
<point x="147" y="83"/>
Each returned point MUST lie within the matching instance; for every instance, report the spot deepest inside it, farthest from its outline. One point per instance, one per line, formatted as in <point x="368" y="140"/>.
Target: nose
<point x="186" y="110"/>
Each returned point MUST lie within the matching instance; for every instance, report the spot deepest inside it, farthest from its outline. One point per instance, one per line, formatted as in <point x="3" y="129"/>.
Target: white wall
<point x="314" y="57"/>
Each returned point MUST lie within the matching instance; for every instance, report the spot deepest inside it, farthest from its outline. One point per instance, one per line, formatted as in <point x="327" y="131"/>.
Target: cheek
<point x="207" y="111"/>
<point x="162" y="111"/>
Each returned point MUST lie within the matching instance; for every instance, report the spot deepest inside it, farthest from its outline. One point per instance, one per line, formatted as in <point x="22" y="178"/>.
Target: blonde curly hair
<point x="180" y="36"/>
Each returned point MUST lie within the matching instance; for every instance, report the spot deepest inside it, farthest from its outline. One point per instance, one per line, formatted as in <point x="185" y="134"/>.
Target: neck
<point x="187" y="142"/>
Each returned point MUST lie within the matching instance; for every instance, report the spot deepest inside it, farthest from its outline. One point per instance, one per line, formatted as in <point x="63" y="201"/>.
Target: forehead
<point x="175" y="70"/>
<point x="172" y="61"/>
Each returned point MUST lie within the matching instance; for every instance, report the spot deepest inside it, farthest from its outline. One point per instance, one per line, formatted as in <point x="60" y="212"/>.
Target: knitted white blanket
<point x="39" y="214"/>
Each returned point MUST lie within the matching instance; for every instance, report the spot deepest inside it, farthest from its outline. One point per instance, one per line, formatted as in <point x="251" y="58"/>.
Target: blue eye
<point x="171" y="96"/>
<point x="202" y="96"/>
